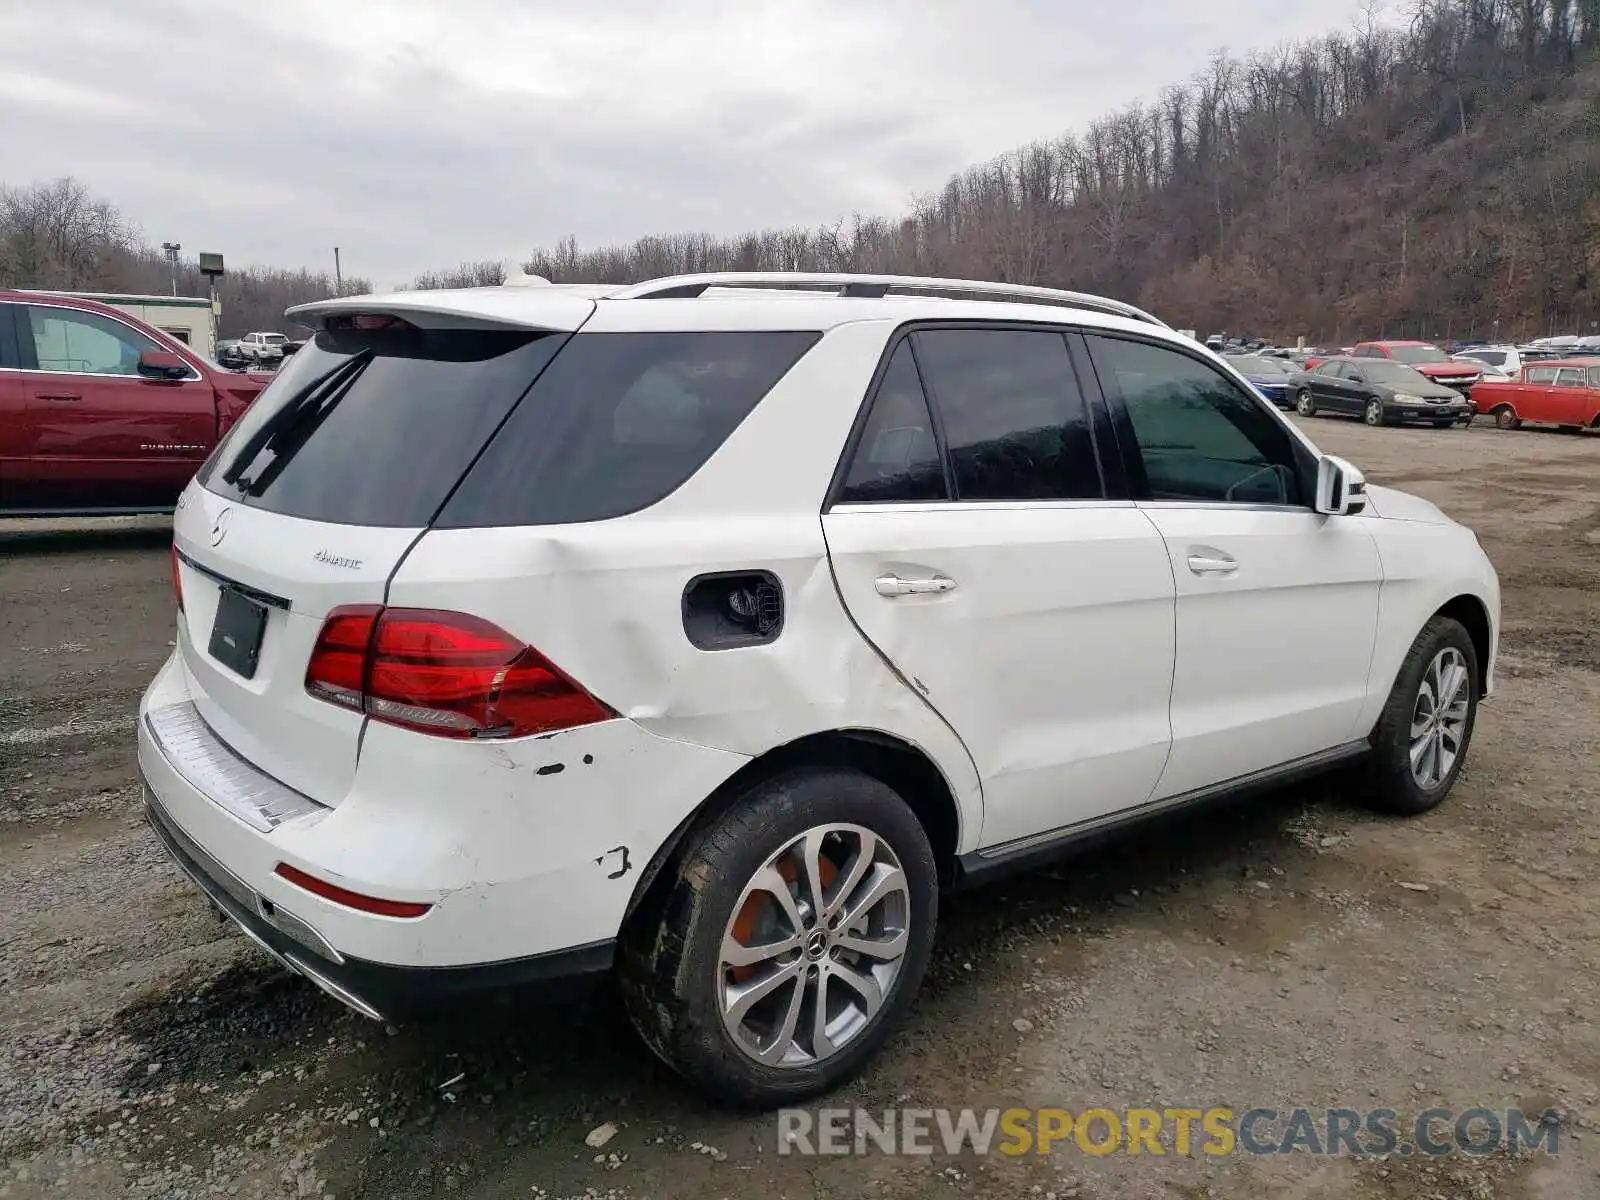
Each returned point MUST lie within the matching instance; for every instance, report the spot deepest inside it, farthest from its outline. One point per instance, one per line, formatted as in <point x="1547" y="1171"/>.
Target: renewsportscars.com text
<point x="1215" y="1131"/>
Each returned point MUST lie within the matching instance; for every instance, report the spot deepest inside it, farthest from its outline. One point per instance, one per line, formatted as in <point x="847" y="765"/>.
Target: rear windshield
<point x="1419" y="354"/>
<point x="1495" y="358"/>
<point x="400" y="417"/>
<point x="618" y="422"/>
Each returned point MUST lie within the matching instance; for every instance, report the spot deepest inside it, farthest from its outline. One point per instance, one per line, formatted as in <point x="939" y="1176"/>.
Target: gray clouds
<point x="419" y="133"/>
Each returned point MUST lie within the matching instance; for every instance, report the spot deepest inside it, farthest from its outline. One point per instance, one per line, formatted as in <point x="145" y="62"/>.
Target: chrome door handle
<point x="893" y="585"/>
<point x="1212" y="562"/>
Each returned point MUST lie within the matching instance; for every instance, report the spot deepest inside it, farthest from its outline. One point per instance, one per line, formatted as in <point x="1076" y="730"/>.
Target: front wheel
<point x="1421" y="739"/>
<point x="788" y="940"/>
<point x="1305" y="404"/>
<point x="1374" y="413"/>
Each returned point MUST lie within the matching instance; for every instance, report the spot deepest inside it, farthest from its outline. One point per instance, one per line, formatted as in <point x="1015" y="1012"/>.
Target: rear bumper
<point x="528" y="874"/>
<point x="377" y="990"/>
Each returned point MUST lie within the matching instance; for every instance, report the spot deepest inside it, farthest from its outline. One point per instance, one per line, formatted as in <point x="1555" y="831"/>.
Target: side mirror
<point x="160" y="364"/>
<point x="1341" y="488"/>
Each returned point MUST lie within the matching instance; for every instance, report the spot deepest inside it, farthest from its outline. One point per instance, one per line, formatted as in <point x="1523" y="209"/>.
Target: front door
<point x="94" y="432"/>
<point x="982" y="556"/>
<point x="1277" y="605"/>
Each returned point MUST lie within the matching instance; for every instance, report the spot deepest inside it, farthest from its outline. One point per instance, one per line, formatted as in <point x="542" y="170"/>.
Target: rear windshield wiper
<point x="330" y="385"/>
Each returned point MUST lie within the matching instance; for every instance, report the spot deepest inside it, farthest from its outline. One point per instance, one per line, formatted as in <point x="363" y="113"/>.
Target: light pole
<point x="172" y="249"/>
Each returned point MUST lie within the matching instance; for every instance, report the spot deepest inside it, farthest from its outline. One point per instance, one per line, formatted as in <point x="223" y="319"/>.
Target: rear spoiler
<point x="553" y="309"/>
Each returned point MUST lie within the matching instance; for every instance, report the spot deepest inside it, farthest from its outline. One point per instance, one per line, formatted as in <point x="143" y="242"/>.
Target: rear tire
<point x="1506" y="418"/>
<point x="1305" y="404"/>
<point x="1422" y="736"/>
<point x="686" y="969"/>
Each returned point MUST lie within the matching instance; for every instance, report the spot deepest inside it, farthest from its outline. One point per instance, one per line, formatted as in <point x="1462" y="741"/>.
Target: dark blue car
<point x="1270" y="376"/>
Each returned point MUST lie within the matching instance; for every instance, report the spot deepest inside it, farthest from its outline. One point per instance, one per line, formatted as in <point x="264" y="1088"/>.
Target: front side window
<point x="1015" y="423"/>
<point x="84" y="343"/>
<point x="1541" y="375"/>
<point x="897" y="459"/>
<point x="1200" y="437"/>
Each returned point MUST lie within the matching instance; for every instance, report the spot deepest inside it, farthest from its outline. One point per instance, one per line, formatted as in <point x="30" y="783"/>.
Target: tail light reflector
<point x="443" y="673"/>
<point x="177" y="577"/>
<point x="344" y="896"/>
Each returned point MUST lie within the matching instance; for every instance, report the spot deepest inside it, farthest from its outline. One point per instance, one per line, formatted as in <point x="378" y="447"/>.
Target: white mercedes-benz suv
<point x="704" y="630"/>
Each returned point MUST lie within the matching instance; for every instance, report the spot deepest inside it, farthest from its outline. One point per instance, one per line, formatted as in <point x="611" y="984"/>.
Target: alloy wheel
<point x="1374" y="412"/>
<point x="1439" y="719"/>
<point x="815" y="946"/>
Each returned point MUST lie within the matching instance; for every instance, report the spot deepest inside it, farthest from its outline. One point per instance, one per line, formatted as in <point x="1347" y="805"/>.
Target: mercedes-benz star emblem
<point x="220" y="529"/>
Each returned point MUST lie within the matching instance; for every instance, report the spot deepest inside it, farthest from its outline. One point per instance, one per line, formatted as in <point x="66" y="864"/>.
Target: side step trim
<point x="992" y="862"/>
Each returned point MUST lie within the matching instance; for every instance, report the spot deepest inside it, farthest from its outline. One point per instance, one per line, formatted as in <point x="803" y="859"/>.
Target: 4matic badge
<point x="337" y="560"/>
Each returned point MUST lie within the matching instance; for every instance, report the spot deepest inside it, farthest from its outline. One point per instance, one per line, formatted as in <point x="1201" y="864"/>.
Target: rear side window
<point x="1015" y="423"/>
<point x="897" y="458"/>
<point x="619" y="422"/>
<point x="375" y="427"/>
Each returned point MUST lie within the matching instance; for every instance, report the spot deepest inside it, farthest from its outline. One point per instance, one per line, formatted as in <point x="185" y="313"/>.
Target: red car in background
<point x="1425" y="357"/>
<point x="1563" y="392"/>
<point x="102" y="414"/>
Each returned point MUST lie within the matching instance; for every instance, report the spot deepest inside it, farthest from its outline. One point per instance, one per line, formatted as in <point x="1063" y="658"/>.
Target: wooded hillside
<point x="1438" y="179"/>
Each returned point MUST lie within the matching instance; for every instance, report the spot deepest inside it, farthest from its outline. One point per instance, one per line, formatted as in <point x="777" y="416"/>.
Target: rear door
<point x="1277" y="605"/>
<point x="94" y="432"/>
<point x="978" y="546"/>
<point x="1569" y="400"/>
<point x="313" y="500"/>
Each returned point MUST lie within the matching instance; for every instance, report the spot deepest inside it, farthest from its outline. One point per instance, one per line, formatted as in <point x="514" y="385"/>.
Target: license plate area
<point x="236" y="633"/>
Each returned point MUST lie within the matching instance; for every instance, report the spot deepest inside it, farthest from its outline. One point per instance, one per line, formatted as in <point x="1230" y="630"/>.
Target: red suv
<point x="101" y="413"/>
<point x="1425" y="357"/>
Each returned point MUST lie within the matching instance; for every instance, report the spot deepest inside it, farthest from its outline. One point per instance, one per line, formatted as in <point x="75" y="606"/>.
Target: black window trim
<point x="1305" y="457"/>
<point x="10" y="355"/>
<point x="1113" y="482"/>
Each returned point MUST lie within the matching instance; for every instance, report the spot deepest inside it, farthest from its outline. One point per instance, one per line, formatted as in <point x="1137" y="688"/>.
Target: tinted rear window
<point x="618" y="422"/>
<point x="393" y="445"/>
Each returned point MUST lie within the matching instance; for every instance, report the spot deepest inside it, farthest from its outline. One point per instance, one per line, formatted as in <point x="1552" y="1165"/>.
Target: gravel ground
<point x="1269" y="955"/>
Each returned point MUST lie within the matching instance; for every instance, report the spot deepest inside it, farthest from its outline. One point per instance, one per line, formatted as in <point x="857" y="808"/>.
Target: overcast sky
<point x="421" y="133"/>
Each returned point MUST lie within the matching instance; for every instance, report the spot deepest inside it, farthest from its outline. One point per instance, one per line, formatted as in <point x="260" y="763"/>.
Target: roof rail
<point x="876" y="286"/>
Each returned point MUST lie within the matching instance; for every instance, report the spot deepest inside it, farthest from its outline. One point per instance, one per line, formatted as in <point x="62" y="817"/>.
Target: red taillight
<point x="443" y="673"/>
<point x="344" y="896"/>
<point x="177" y="578"/>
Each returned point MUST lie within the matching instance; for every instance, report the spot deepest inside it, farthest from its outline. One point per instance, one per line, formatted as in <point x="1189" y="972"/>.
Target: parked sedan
<point x="1270" y="376"/>
<point x="1380" y="392"/>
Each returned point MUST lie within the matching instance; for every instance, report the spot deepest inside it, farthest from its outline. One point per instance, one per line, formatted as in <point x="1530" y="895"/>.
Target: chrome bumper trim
<point x="219" y="773"/>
